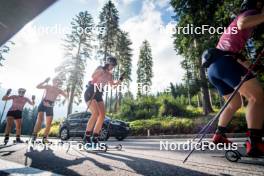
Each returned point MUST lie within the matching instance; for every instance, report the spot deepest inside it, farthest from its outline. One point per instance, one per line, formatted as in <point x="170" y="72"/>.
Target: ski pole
<point x="3" y="112"/>
<point x="7" y="94"/>
<point x="205" y="129"/>
<point x="202" y="130"/>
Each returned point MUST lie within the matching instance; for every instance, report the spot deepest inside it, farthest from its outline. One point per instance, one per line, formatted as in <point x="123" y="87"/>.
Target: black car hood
<point x="15" y="14"/>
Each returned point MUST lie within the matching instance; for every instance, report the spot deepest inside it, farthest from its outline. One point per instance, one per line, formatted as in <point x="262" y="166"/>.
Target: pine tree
<point x="145" y="64"/>
<point x="108" y="29"/>
<point x="77" y="50"/>
<point x="4" y="50"/>
<point x="124" y="55"/>
<point x="108" y="36"/>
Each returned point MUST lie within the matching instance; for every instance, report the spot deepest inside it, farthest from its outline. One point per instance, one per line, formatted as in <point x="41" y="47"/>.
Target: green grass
<point x="169" y="125"/>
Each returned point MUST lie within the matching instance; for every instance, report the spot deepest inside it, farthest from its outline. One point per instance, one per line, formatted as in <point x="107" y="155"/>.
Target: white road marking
<point x="15" y="169"/>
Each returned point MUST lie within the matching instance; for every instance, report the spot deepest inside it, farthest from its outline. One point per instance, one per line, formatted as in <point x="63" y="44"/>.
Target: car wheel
<point x="104" y="135"/>
<point x="64" y="134"/>
<point x="120" y="138"/>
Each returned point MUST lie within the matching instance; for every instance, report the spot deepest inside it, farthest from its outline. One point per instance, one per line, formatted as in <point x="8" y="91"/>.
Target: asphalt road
<point x="138" y="157"/>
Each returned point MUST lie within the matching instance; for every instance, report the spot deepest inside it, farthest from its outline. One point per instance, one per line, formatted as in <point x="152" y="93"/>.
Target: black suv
<point x="75" y="124"/>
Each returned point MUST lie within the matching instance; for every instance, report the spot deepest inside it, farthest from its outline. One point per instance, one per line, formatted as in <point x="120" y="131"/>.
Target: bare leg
<point x="253" y="92"/>
<point x="232" y="107"/>
<point x="48" y="125"/>
<point x="9" y="124"/>
<point x="94" y="109"/>
<point x="38" y="123"/>
<point x="101" y="117"/>
<point x="18" y="127"/>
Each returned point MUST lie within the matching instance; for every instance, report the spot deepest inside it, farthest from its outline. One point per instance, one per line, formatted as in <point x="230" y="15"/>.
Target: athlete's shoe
<point x="87" y="140"/>
<point x="255" y="151"/>
<point x="95" y="140"/>
<point x="220" y="139"/>
<point x="18" y="140"/>
<point x="45" y="141"/>
<point x="6" y="140"/>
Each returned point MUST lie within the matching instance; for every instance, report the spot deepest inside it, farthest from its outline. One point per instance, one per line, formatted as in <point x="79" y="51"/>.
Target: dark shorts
<point x="46" y="109"/>
<point x="16" y="114"/>
<point x="91" y="94"/>
<point x="225" y="73"/>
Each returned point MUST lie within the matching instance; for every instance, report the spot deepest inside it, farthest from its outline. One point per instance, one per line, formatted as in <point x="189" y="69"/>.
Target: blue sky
<point x="36" y="54"/>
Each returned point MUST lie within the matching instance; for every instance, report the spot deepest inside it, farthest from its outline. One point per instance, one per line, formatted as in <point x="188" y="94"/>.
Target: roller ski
<point x="248" y="152"/>
<point x="92" y="144"/>
<point x="44" y="141"/>
<point x="5" y="143"/>
<point x="18" y="141"/>
<point x="115" y="147"/>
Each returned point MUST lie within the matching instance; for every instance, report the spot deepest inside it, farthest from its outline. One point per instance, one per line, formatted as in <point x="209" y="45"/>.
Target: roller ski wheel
<point x="232" y="156"/>
<point x="117" y="147"/>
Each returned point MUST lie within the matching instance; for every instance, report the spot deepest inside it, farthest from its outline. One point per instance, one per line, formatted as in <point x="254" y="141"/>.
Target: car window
<point x="86" y="116"/>
<point x="74" y="117"/>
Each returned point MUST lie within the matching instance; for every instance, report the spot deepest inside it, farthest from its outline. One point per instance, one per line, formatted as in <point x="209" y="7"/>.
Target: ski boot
<point x="6" y="139"/>
<point x="220" y="139"/>
<point x="96" y="145"/>
<point x="18" y="140"/>
<point x="255" y="145"/>
<point x="45" y="141"/>
<point x="256" y="150"/>
<point x="95" y="141"/>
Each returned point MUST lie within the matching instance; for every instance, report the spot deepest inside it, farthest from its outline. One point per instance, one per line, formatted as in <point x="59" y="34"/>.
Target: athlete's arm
<point x="6" y="97"/>
<point x="250" y="21"/>
<point x="42" y="86"/>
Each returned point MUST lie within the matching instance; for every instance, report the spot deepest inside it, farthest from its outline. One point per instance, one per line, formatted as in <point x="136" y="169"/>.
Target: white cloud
<point x="35" y="55"/>
<point x="127" y="2"/>
<point x="149" y="25"/>
<point x="162" y="3"/>
<point x="33" y="58"/>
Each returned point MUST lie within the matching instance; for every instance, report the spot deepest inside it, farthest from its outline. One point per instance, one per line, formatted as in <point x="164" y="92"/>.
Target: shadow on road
<point x="150" y="167"/>
<point x="6" y="153"/>
<point x="47" y="160"/>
